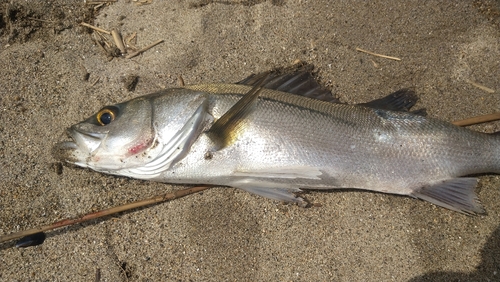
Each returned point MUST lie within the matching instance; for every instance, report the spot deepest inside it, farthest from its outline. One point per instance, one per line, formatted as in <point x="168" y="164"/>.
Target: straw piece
<point x="128" y="40"/>
<point x="180" y="81"/>
<point x="40" y="20"/>
<point x="131" y="55"/>
<point x="99" y="2"/>
<point x="95" y="28"/>
<point x="95" y="81"/>
<point x="482" y="87"/>
<point x="378" y="55"/>
<point x="118" y="41"/>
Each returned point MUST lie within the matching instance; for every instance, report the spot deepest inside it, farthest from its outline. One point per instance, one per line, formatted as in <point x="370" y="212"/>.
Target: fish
<point x="277" y="134"/>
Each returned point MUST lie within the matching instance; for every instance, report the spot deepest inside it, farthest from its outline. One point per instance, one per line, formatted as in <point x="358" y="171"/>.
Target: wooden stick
<point x="131" y="55"/>
<point x="95" y="28"/>
<point x="378" y="55"/>
<point x="476" y="120"/>
<point x="106" y="212"/>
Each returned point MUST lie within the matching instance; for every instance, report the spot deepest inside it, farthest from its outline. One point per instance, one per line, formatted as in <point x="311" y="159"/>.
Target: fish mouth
<point x="81" y="145"/>
<point x="84" y="138"/>
<point x="65" y="151"/>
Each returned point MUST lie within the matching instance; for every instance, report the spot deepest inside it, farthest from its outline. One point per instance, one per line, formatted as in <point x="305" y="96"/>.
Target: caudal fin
<point x="455" y="194"/>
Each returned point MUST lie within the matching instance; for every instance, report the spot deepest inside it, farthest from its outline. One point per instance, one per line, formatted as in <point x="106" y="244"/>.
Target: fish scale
<point x="274" y="143"/>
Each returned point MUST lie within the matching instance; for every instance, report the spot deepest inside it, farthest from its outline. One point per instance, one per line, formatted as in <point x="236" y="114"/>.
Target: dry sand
<point x="227" y="234"/>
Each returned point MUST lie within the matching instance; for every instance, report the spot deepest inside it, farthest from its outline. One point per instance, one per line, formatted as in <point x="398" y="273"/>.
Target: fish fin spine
<point x="225" y="129"/>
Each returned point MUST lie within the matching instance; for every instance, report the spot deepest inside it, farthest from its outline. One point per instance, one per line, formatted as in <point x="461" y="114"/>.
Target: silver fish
<point x="255" y="136"/>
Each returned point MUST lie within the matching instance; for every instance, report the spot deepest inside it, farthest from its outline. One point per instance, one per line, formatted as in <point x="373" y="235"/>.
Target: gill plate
<point x="173" y="150"/>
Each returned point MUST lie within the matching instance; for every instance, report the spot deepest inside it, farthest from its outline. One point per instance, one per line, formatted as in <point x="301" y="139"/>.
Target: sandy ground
<point x="227" y="234"/>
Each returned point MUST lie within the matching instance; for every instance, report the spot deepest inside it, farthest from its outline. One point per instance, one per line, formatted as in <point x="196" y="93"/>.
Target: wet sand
<point x="54" y="75"/>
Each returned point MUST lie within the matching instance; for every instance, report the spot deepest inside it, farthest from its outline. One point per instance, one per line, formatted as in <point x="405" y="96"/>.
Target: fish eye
<point x="105" y="116"/>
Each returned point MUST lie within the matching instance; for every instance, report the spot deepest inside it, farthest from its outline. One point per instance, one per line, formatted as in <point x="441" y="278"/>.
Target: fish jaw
<point x="89" y="150"/>
<point x="68" y="151"/>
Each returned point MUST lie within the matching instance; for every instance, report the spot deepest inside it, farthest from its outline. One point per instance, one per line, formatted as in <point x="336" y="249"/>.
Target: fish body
<point x="280" y="143"/>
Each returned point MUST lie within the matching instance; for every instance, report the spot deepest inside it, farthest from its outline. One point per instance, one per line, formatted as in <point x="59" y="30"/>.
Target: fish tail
<point x="458" y="193"/>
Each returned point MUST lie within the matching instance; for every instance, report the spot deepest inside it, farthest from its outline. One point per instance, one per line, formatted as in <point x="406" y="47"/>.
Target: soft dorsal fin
<point x="225" y="129"/>
<point x="401" y="101"/>
<point x="298" y="81"/>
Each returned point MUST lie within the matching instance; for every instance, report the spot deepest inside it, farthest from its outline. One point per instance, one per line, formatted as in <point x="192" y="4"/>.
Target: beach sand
<point x="54" y="75"/>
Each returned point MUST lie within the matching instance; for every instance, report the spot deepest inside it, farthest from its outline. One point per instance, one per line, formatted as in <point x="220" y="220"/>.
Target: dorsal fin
<point x="226" y="128"/>
<point x="401" y="100"/>
<point x="298" y="81"/>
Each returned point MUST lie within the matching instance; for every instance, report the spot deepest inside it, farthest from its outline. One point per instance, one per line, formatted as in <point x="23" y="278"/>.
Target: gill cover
<point x="172" y="150"/>
<point x="112" y="138"/>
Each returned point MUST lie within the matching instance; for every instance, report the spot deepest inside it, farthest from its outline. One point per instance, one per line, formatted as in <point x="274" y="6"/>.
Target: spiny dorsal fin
<point x="296" y="80"/>
<point x="225" y="129"/>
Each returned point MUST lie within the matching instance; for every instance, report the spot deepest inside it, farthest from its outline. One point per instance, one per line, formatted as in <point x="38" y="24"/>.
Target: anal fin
<point x="455" y="194"/>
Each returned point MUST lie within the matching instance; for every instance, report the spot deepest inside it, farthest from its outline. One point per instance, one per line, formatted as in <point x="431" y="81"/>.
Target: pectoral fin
<point x="226" y="128"/>
<point x="455" y="194"/>
<point x="271" y="190"/>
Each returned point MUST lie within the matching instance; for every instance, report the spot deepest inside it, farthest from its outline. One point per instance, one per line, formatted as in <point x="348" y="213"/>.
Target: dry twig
<point x="478" y="119"/>
<point x="95" y="28"/>
<point x="482" y="87"/>
<point x="131" y="55"/>
<point x="96" y="2"/>
<point x="378" y="55"/>
<point x="106" y="212"/>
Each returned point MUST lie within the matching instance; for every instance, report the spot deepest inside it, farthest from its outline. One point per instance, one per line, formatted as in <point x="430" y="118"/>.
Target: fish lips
<point x="80" y="148"/>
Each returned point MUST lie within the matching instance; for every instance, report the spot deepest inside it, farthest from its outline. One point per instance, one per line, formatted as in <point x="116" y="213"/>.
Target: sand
<point x="54" y="75"/>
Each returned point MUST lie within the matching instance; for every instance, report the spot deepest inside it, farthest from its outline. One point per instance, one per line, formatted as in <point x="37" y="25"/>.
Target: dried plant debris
<point x="21" y="22"/>
<point x="378" y="55"/>
<point x="480" y="86"/>
<point x="113" y="44"/>
<point x="99" y="4"/>
<point x="130" y="82"/>
<point x="142" y="2"/>
<point x="203" y="3"/>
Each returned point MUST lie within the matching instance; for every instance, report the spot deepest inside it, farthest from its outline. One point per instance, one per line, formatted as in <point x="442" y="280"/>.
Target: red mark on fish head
<point x="140" y="147"/>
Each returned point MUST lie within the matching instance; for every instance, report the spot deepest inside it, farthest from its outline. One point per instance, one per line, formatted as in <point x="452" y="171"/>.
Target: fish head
<point x="116" y="137"/>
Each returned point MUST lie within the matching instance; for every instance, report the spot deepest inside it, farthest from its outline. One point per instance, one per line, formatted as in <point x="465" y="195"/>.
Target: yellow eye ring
<point x="105" y="116"/>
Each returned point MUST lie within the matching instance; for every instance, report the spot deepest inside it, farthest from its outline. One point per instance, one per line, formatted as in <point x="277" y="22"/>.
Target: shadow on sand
<point x="487" y="270"/>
